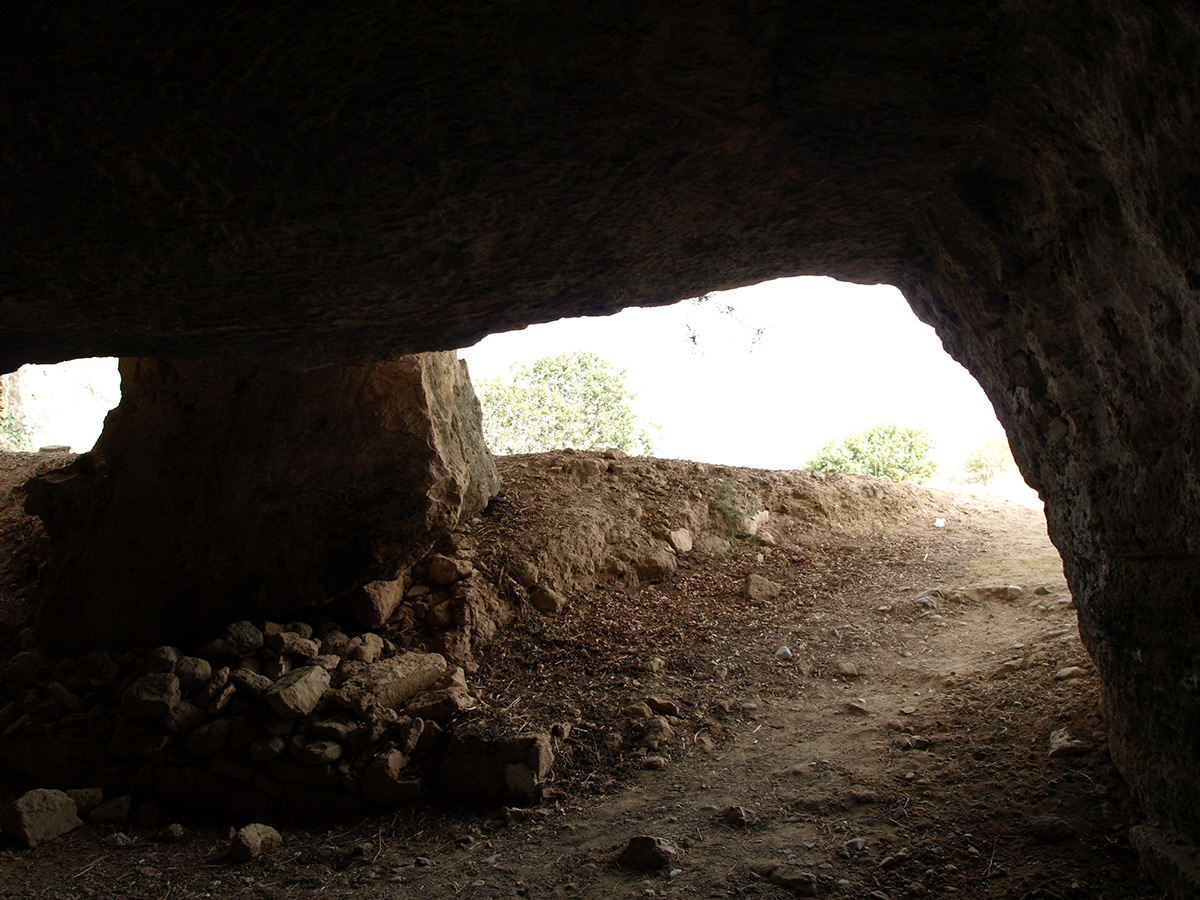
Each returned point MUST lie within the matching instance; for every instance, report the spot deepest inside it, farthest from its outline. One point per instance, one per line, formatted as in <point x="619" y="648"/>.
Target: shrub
<point x="885" y="451"/>
<point x="570" y="400"/>
<point x="987" y="460"/>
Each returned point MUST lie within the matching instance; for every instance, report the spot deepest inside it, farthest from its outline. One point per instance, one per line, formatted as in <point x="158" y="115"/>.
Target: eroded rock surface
<point x="1026" y="173"/>
<point x="220" y="492"/>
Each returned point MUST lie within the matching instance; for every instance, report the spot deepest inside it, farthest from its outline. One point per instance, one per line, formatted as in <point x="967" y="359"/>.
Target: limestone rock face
<point x="1024" y="172"/>
<point x="221" y="492"/>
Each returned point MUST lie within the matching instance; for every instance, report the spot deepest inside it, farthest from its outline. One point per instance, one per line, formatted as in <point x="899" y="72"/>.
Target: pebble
<point x="735" y="817"/>
<point x="644" y="853"/>
<point x="848" y="670"/>
<point x="1069" y="673"/>
<point x="253" y="841"/>
<point x="654" y="763"/>
<point x="783" y="653"/>
<point x="1062" y="744"/>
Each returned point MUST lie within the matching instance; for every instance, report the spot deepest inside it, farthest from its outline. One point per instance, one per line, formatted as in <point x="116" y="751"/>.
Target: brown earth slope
<point x="901" y="751"/>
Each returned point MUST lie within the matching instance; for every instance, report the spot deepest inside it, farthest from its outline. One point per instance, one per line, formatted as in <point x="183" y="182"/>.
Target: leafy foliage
<point x="15" y="433"/>
<point x="987" y="460"/>
<point x="885" y="451"/>
<point x="570" y="400"/>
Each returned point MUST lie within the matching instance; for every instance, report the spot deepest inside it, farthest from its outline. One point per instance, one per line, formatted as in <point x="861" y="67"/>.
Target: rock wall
<point x="309" y="187"/>
<point x="219" y="491"/>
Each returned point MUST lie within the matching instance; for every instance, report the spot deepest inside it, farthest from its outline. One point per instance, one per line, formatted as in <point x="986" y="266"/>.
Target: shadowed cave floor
<point x="925" y="774"/>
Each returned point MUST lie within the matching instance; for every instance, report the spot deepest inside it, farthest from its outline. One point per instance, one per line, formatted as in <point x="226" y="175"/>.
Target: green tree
<point x="987" y="460"/>
<point x="572" y="400"/>
<point x="885" y="451"/>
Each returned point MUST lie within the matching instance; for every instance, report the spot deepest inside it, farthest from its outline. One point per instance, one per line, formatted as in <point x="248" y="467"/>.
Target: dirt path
<point x="902" y="750"/>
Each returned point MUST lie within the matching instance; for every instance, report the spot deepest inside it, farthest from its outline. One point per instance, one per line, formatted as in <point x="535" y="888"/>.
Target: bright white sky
<point x="833" y="358"/>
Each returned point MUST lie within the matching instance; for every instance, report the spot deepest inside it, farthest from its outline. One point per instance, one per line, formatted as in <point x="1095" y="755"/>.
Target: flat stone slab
<point x="392" y="682"/>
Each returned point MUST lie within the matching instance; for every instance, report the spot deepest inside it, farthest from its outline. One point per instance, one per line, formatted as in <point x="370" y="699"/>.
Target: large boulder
<point x="221" y="491"/>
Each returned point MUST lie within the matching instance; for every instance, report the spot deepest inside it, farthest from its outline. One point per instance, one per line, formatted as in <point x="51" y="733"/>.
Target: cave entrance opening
<point x="763" y="376"/>
<point x="58" y="406"/>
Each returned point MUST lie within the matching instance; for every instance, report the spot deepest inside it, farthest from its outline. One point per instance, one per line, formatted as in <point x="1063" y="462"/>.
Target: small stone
<point x="638" y="710"/>
<point x="680" y="540"/>
<point x="319" y="752"/>
<point x="663" y="706"/>
<point x="86" y="799"/>
<point x="1041" y="590"/>
<point x="268" y="748"/>
<point x="484" y="767"/>
<point x="524" y="572"/>
<point x="847" y="669"/>
<point x="301" y="628"/>
<point x="1062" y="744"/>
<point x="784" y="653"/>
<point x="1050" y="829"/>
<point x="243" y="638"/>
<point x="193" y="673"/>
<point x="172" y="834"/>
<point x="855" y="845"/>
<point x="185" y="717"/>
<point x="253" y="841"/>
<point x="375" y="603"/>
<point x="290" y="643"/>
<point x="655" y="566"/>
<point x="1069" y="673"/>
<point x="381" y="782"/>
<point x="547" y="600"/>
<point x="1013" y="592"/>
<point x="115" y="810"/>
<point x="705" y="744"/>
<point x="796" y="880"/>
<point x="38" y="816"/>
<point x="759" y="590"/>
<point x="658" y="734"/>
<point x="647" y="854"/>
<point x="155" y="694"/>
<point x="561" y="730"/>
<point x="734" y="817"/>
<point x="654" y="763"/>
<point x="250" y="683"/>
<point x="298" y="692"/>
<point x="23" y="667"/>
<point x="656" y="665"/>
<point x="162" y="659"/>
<point x="210" y="738"/>
<point x="445" y="570"/>
<point x="366" y="648"/>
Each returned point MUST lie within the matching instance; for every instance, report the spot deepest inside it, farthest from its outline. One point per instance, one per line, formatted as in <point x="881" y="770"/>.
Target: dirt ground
<point x="901" y="751"/>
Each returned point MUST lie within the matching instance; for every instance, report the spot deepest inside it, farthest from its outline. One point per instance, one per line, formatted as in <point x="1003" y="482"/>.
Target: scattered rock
<point x="734" y="817"/>
<point x="655" y="566"/>
<point x="680" y="540"/>
<point x="298" y="692"/>
<point x="524" y="572"/>
<point x="647" y="854"/>
<point x="1013" y="592"/>
<point x="758" y="589"/>
<point x="243" y="638"/>
<point x="253" y="841"/>
<point x="254" y="684"/>
<point x="86" y="799"/>
<point x="1063" y="745"/>
<point x="391" y="683"/>
<point x="658" y="734"/>
<point x="375" y="603"/>
<point x="155" y="694"/>
<point x="503" y="769"/>
<point x="638" y="710"/>
<point x="656" y="665"/>
<point x="784" y="653"/>
<point x="548" y="600"/>
<point x="115" y="810"/>
<point x="1041" y="590"/>
<point x="366" y="647"/>
<point x="381" y="782"/>
<point x="38" y="816"/>
<point x="848" y="670"/>
<point x="172" y="834"/>
<point x="663" y="706"/>
<point x="654" y="763"/>
<point x="1069" y="673"/>
<point x="445" y="570"/>
<point x="794" y="879"/>
<point x="193" y="673"/>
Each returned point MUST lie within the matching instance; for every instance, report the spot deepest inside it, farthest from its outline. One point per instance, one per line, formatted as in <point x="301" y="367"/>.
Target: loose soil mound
<point x="899" y="748"/>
